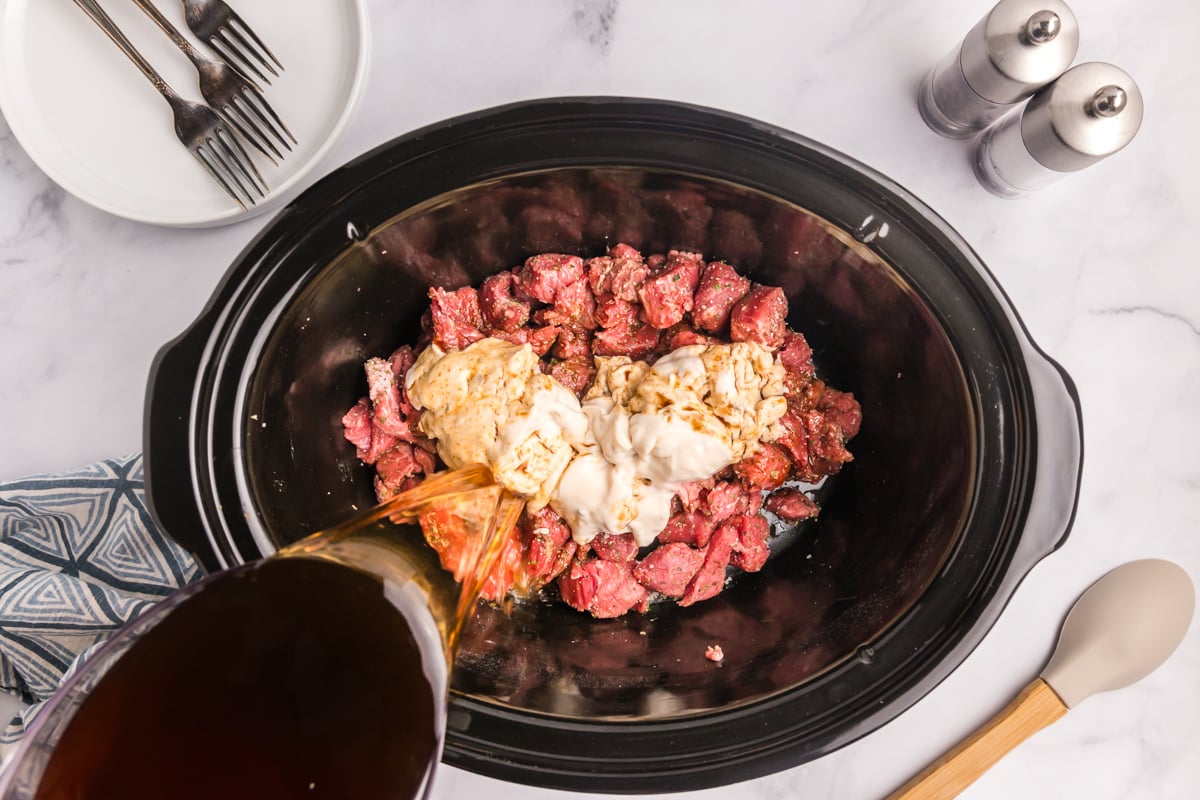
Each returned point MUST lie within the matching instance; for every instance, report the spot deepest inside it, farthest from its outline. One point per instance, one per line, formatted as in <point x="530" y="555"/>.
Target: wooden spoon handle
<point x="1033" y="709"/>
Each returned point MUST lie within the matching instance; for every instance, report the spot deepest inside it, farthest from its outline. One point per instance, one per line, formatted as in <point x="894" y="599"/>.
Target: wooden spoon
<point x="1120" y="630"/>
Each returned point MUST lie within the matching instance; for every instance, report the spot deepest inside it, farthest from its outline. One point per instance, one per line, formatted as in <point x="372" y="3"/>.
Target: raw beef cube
<point x="791" y="505"/>
<point x="751" y="551"/>
<point x="615" y="547"/>
<point x="573" y="343"/>
<point x="667" y="296"/>
<point x="796" y="358"/>
<point x="397" y="464"/>
<point x="689" y="527"/>
<point x="402" y="360"/>
<point x="693" y="493"/>
<point x="457" y="319"/>
<point x="612" y="311"/>
<point x="842" y="410"/>
<point x="356" y="426"/>
<point x="766" y="468"/>
<point x="760" y="317"/>
<point x="635" y="340"/>
<point x="546" y="534"/>
<point x="574" y="306"/>
<point x="385" y="399"/>
<point x="360" y="430"/>
<point x="542" y="276"/>
<point x="724" y="500"/>
<point x="605" y="588"/>
<point x="681" y="336"/>
<point x="576" y="374"/>
<point x="669" y="569"/>
<point x="795" y="436"/>
<point x="720" y="288"/>
<point x="710" y="579"/>
<point x="540" y="339"/>
<point x="501" y="309"/>
<point x="619" y="273"/>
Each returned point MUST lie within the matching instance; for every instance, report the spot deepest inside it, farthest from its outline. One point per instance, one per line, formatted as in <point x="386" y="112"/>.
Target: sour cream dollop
<point x="612" y="463"/>
<point x="694" y="412"/>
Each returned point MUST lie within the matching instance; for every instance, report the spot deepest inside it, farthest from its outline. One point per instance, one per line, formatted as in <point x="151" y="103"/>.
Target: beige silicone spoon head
<point x="1121" y="629"/>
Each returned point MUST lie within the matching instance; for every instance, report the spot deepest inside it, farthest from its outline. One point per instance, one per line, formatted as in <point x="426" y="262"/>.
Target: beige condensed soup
<point x="612" y="463"/>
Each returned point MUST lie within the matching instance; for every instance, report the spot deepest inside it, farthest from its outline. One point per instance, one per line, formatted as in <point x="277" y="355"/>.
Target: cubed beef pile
<point x="569" y="310"/>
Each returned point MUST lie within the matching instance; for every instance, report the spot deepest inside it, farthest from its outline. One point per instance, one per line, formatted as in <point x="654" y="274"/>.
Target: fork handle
<point x="169" y="29"/>
<point x="101" y="18"/>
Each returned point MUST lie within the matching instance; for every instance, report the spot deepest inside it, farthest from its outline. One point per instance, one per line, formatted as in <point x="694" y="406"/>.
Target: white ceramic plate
<point x="100" y="130"/>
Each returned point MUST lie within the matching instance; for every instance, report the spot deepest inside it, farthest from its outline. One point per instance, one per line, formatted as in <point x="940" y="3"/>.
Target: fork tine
<point x="233" y="17"/>
<point x="203" y="156"/>
<point x="240" y="159"/>
<point x="239" y="109"/>
<point x="258" y="104"/>
<point x="229" y="52"/>
<point x="235" y="34"/>
<point x="227" y="169"/>
<point x="248" y="130"/>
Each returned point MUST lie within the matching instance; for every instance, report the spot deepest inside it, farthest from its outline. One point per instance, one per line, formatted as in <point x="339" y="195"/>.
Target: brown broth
<point x="291" y="678"/>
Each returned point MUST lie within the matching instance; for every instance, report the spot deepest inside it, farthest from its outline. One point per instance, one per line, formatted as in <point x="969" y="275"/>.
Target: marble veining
<point x="1101" y="267"/>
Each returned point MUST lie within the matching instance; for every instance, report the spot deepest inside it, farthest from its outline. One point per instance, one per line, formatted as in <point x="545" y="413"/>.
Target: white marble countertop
<point x="1101" y="266"/>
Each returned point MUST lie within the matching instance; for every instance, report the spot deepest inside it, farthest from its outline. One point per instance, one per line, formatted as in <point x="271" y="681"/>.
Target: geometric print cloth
<point x="79" y="558"/>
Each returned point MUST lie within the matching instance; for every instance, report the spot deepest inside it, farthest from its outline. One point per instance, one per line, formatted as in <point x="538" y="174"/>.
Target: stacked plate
<point x="100" y="130"/>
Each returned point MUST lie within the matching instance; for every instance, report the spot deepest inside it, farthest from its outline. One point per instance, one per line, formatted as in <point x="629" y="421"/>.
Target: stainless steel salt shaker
<point x="1088" y="114"/>
<point x="1018" y="47"/>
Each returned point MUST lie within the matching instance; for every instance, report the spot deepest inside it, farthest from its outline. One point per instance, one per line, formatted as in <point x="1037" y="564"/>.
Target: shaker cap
<point x="1091" y="112"/>
<point x="1020" y="46"/>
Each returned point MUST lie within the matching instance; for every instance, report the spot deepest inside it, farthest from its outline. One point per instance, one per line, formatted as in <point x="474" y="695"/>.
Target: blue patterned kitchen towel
<point x="79" y="557"/>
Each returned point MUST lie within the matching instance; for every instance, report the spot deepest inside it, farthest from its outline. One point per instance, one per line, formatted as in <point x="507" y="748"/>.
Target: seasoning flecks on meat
<point x="682" y="336"/>
<point x="760" y="317"/>
<point x="620" y="273"/>
<point x="669" y="568"/>
<point x="667" y="296"/>
<point x="575" y="373"/>
<point x="542" y="276"/>
<point x="710" y="579"/>
<point x="636" y="340"/>
<point x="356" y="426"/>
<point x="572" y="342"/>
<point x="612" y="311"/>
<point x="502" y="309"/>
<point x="724" y="500"/>
<point x="765" y="468"/>
<point x="574" y="306"/>
<point x="615" y="547"/>
<point x="689" y="527"/>
<point x="605" y="589"/>
<point x="540" y="339"/>
<point x="397" y="464"/>
<point x="720" y="288"/>
<point x="385" y="399"/>
<point x="750" y="552"/>
<point x="457" y="320"/>
<point x="791" y="505"/>
<point x="546" y="536"/>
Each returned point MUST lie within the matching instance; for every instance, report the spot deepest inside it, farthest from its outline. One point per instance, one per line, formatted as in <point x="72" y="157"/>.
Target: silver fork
<point x="198" y="127"/>
<point x="238" y="100"/>
<point x="235" y="41"/>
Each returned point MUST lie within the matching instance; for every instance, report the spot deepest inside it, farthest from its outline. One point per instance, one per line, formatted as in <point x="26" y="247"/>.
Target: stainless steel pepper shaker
<point x="1088" y="114"/>
<point x="1018" y="47"/>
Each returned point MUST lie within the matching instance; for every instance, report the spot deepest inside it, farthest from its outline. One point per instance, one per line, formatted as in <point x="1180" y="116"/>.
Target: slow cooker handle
<point x="1059" y="421"/>
<point x="171" y="494"/>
